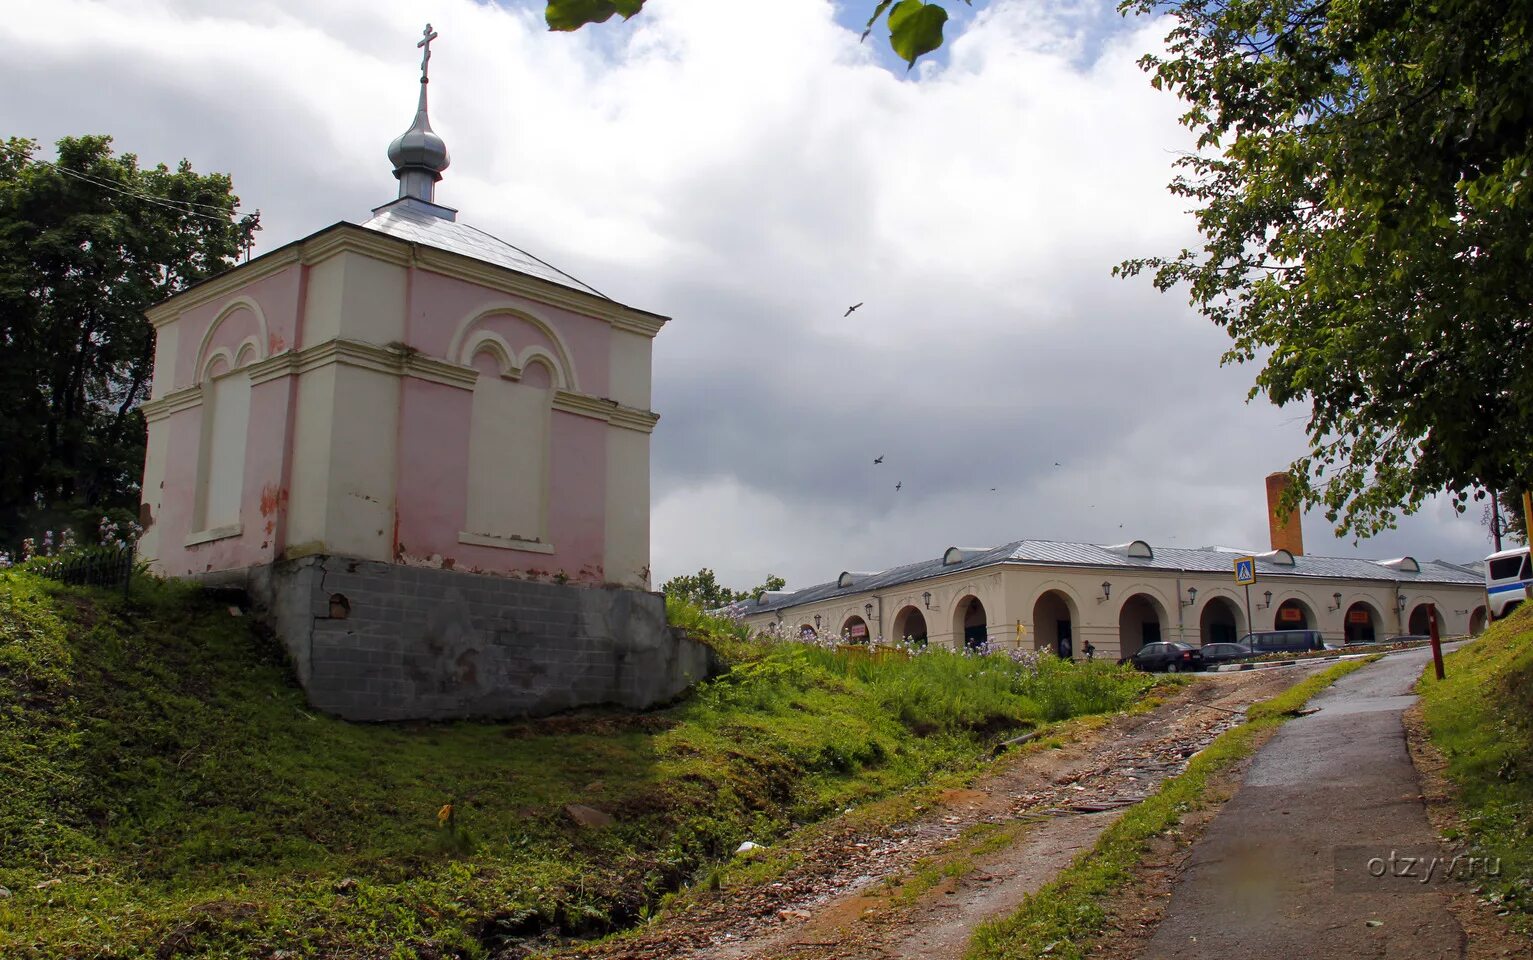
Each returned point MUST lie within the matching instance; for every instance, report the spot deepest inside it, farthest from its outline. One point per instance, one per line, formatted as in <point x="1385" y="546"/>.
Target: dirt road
<point x="919" y="889"/>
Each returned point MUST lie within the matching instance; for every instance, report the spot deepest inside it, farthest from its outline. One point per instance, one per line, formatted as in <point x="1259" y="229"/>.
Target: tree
<point x="1362" y="183"/>
<point x="87" y="243"/>
<point x="915" y="26"/>
<point x="703" y="590"/>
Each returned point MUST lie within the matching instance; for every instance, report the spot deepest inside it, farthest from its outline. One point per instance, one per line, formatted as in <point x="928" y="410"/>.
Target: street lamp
<point x="926" y="598"/>
<point x="1192" y="597"/>
<point x="1268" y="595"/>
<point x="1337" y="598"/>
<point x="1401" y="601"/>
<point x="867" y="609"/>
<point x="817" y="623"/>
<point x="1106" y="591"/>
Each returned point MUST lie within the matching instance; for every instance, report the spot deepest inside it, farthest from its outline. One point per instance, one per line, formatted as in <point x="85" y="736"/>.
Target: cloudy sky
<point x="751" y="170"/>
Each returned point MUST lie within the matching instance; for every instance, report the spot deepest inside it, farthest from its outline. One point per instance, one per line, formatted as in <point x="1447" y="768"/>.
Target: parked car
<point x="1170" y="656"/>
<point x="1284" y="641"/>
<point x="1217" y="653"/>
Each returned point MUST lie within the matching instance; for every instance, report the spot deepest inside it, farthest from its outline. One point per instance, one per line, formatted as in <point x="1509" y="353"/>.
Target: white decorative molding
<point x="204" y="360"/>
<point x="609" y="411"/>
<point x="349" y="237"/>
<point x="370" y="356"/>
<point x="234" y="279"/>
<point x="216" y="533"/>
<point x="513" y="365"/>
<point x="564" y="363"/>
<point x="506" y="543"/>
<point x="505" y="280"/>
<point x="162" y="407"/>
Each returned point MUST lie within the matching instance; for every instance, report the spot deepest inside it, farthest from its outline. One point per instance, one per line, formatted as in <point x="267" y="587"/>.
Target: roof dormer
<point x="956" y="555"/>
<point x="1138" y="549"/>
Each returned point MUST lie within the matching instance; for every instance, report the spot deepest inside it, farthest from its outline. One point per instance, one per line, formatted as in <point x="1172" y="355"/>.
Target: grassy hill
<point x="1481" y="717"/>
<point x="168" y="792"/>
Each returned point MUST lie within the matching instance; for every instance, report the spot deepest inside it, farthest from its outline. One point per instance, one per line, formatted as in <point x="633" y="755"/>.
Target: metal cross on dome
<point x="427" y="35"/>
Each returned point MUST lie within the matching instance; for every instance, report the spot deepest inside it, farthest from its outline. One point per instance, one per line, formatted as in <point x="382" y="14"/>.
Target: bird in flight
<point x="1056" y="463"/>
<point x="878" y="459"/>
<point x="898" y="485"/>
<point x="992" y="489"/>
<point x="850" y="309"/>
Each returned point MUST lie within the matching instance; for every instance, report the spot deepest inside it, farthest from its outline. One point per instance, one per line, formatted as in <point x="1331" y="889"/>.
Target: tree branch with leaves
<point x="915" y="26"/>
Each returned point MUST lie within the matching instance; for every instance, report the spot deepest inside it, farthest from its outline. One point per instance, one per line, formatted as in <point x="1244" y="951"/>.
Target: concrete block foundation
<point x="380" y="641"/>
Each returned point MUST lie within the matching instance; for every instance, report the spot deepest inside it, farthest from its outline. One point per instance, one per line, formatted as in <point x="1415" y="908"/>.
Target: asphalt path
<point x="1312" y="858"/>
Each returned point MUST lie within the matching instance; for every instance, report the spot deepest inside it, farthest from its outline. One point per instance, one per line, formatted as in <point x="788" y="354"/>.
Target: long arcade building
<point x="1059" y="596"/>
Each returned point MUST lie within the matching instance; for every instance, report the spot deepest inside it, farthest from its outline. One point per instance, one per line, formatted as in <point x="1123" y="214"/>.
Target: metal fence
<point x="92" y="567"/>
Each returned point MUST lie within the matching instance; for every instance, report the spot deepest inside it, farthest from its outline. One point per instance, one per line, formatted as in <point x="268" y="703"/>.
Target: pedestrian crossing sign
<point x="1245" y="570"/>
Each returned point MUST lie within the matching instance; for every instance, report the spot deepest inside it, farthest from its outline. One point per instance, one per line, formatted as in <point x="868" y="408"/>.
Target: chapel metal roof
<point x="1055" y="553"/>
<point x="403" y="221"/>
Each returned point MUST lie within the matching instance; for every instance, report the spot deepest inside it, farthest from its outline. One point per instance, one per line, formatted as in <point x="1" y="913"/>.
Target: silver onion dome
<point x="419" y="147"/>
<point x="419" y="156"/>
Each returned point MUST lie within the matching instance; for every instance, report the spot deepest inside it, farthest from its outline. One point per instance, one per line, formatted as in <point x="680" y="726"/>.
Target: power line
<point x="176" y="205"/>
<point x="81" y="175"/>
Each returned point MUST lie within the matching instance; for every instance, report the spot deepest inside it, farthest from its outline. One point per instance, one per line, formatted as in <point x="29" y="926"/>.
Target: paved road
<point x="1284" y="870"/>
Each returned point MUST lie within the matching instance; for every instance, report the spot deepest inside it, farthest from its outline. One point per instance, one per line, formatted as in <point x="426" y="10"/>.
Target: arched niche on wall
<point x="234" y="341"/>
<point x="511" y="441"/>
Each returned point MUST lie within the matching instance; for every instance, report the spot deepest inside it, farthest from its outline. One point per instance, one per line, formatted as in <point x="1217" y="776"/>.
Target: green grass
<point x="1481" y="718"/>
<point x="167" y="791"/>
<point x="1063" y="918"/>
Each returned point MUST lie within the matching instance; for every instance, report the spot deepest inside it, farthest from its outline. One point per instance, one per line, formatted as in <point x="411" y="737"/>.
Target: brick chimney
<point x="1286" y="532"/>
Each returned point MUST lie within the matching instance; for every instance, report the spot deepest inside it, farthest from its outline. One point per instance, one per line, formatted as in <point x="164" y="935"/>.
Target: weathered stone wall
<point x="379" y="641"/>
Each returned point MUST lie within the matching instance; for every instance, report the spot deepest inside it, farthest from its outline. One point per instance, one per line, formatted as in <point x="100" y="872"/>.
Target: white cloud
<point x="752" y="175"/>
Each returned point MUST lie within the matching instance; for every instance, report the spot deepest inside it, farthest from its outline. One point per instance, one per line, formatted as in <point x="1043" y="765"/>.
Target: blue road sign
<point x="1245" y="570"/>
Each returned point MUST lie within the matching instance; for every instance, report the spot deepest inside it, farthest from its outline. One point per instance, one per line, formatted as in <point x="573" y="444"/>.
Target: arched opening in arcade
<point x="1361" y="624"/>
<point x="1054" y="624"/>
<point x="969" y="622"/>
<point x="1293" y="615"/>
<point x="1220" y="621"/>
<point x="1421" y="619"/>
<point x="854" y="630"/>
<point x="910" y="626"/>
<point x="1477" y="621"/>
<point x="1139" y="623"/>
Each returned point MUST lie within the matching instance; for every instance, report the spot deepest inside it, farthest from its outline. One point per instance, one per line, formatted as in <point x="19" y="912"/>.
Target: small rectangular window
<point x="1505" y="568"/>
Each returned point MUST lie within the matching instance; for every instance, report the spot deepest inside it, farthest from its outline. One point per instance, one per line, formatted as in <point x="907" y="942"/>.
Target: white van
<point x="1507" y="575"/>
